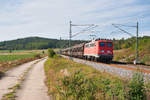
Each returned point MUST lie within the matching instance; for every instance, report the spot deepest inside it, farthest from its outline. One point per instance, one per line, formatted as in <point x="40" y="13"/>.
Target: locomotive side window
<point x="109" y="44"/>
<point x="102" y="44"/>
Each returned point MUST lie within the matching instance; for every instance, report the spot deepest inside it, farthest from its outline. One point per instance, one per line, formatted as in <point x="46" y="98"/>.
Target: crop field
<point x="5" y="55"/>
<point x="5" y="58"/>
<point x="11" y="59"/>
<point x="20" y="52"/>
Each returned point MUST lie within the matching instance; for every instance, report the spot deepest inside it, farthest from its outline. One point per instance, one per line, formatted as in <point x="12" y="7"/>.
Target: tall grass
<point x="67" y="80"/>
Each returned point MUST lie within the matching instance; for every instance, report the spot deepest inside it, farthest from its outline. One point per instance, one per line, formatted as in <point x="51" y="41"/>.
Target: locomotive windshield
<point x="109" y="44"/>
<point x="102" y="44"/>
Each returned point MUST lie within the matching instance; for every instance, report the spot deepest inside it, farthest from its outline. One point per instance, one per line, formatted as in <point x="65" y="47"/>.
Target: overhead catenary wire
<point x="115" y="25"/>
<point x="85" y="30"/>
<point x="125" y="25"/>
<point x="137" y="28"/>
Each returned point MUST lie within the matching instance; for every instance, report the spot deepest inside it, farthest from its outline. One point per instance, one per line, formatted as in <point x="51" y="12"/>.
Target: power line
<point x="115" y="25"/>
<point x="85" y="30"/>
<point x="124" y="25"/>
<point x="137" y="32"/>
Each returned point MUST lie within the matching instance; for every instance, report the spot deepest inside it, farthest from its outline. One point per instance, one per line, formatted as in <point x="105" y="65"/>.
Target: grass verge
<point x="68" y="80"/>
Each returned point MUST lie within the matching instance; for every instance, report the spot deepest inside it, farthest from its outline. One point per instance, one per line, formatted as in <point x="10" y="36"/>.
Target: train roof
<point x="104" y="40"/>
<point x="100" y="40"/>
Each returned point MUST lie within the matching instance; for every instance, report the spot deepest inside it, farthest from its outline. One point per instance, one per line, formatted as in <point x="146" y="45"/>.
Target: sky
<point x="50" y="18"/>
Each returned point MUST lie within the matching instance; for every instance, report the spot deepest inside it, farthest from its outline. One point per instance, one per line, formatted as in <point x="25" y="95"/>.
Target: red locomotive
<point x="98" y="50"/>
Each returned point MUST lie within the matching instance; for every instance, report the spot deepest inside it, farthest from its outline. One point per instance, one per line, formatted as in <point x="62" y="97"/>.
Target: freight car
<point x="74" y="51"/>
<point x="98" y="50"/>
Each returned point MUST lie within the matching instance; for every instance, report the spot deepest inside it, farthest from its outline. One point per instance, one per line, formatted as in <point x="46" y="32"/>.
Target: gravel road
<point x="11" y="77"/>
<point x="33" y="88"/>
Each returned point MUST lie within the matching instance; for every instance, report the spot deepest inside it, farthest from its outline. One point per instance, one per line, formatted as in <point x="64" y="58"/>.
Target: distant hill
<point x="35" y="43"/>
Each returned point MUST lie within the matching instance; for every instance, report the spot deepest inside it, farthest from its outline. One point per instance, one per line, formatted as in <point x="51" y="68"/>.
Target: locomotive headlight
<point x="102" y="51"/>
<point x="108" y="51"/>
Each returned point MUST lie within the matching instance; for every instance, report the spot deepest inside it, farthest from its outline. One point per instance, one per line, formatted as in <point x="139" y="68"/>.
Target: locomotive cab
<point x="100" y="50"/>
<point x="105" y="50"/>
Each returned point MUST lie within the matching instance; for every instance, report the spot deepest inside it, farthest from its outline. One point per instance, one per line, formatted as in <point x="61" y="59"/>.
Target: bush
<point x="137" y="90"/>
<point x="51" y="53"/>
<point x="77" y="87"/>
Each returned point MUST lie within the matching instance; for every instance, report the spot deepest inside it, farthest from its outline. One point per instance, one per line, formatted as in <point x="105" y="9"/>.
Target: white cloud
<point x="50" y="18"/>
<point x="145" y="33"/>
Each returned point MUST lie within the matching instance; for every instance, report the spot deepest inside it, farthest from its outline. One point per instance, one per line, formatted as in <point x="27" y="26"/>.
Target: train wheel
<point x="96" y="59"/>
<point x="92" y="58"/>
<point x="89" y="58"/>
<point x="85" y="58"/>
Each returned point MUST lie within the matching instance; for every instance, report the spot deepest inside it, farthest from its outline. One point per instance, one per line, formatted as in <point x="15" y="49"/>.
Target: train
<point x="96" y="50"/>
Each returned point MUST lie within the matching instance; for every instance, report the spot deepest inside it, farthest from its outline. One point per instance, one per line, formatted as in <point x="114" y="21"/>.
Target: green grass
<point x="7" y="51"/>
<point x="5" y="58"/>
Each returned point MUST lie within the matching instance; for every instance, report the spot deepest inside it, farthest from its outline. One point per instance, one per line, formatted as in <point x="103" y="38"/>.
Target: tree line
<point x="31" y="43"/>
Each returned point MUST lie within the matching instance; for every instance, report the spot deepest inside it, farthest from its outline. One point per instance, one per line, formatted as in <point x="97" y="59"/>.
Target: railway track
<point x="129" y="67"/>
<point x="119" y="69"/>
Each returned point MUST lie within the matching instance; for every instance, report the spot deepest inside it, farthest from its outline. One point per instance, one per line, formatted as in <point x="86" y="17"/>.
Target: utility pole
<point x="137" y="31"/>
<point x="90" y="26"/>
<point x="70" y="35"/>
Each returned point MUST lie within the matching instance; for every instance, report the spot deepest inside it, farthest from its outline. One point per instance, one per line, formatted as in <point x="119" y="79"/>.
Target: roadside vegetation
<point x="11" y="59"/>
<point x="68" y="80"/>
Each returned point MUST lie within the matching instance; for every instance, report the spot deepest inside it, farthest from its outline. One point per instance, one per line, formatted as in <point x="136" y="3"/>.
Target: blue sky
<point x="50" y="18"/>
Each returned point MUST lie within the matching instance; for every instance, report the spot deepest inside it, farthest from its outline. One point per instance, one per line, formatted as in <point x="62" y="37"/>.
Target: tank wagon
<point x="98" y="50"/>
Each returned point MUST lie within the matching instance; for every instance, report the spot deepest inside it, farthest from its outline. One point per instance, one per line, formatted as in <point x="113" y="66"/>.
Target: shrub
<point x="57" y="56"/>
<point x="77" y="87"/>
<point x="137" y="90"/>
<point x="51" y="53"/>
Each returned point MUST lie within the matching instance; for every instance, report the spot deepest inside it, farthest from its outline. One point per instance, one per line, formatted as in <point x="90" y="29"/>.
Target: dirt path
<point x="11" y="77"/>
<point x="33" y="88"/>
